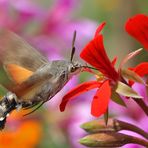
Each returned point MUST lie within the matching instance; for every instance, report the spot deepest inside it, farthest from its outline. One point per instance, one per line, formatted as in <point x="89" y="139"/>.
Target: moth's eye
<point x="73" y="69"/>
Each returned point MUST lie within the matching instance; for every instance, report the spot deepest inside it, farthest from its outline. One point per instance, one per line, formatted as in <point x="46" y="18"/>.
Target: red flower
<point x="137" y="27"/>
<point x="141" y="69"/>
<point x="100" y="100"/>
<point x="94" y="54"/>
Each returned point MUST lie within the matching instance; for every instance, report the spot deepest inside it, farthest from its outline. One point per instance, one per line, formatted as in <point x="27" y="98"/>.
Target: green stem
<point x="121" y="125"/>
<point x="139" y="141"/>
<point x="142" y="104"/>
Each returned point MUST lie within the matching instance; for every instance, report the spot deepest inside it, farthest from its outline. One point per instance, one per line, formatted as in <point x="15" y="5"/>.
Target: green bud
<point x="96" y="126"/>
<point x="111" y="139"/>
<point x="114" y="125"/>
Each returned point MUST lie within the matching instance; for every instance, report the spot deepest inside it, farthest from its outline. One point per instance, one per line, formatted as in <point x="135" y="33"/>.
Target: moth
<point x="34" y="79"/>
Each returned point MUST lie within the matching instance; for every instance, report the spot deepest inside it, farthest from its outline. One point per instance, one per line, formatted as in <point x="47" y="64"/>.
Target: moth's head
<point x="75" y="67"/>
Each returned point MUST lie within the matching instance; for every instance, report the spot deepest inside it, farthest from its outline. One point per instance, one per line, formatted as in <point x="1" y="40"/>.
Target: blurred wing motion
<point x="14" y="50"/>
<point x="36" y="79"/>
<point x="17" y="73"/>
<point x="20" y="61"/>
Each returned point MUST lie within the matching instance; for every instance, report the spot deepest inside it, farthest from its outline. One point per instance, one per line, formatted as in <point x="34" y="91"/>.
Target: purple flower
<point x="57" y="27"/>
<point x="15" y="14"/>
<point x="50" y="30"/>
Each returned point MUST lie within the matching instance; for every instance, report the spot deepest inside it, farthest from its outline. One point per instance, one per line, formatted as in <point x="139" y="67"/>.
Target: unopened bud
<point x="110" y="140"/>
<point x="114" y="125"/>
<point x="96" y="126"/>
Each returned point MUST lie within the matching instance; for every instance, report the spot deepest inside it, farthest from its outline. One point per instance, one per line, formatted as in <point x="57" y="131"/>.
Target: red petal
<point x="141" y="69"/>
<point x="101" y="100"/>
<point x="84" y="87"/>
<point x="114" y="61"/>
<point x="94" y="53"/>
<point x="99" y="29"/>
<point x="91" y="54"/>
<point x="137" y="27"/>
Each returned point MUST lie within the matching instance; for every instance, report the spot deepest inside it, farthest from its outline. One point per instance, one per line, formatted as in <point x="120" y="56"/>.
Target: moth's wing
<point x="14" y="50"/>
<point x="17" y="73"/>
<point x="32" y="86"/>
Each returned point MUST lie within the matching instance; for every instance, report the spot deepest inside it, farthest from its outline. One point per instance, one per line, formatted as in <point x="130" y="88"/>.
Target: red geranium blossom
<point x="112" y="83"/>
<point x="137" y="27"/>
<point x="141" y="69"/>
<point x="94" y="54"/>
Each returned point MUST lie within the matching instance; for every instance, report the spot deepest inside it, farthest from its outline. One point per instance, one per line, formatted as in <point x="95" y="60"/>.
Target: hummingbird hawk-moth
<point x="34" y="79"/>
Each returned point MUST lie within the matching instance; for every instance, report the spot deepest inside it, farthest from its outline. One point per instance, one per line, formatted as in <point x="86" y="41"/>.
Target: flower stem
<point x="142" y="104"/>
<point x="139" y="141"/>
<point x="121" y="125"/>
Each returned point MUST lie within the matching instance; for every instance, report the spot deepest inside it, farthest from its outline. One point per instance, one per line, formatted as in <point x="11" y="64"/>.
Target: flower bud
<point x="96" y="126"/>
<point x="114" y="125"/>
<point x="111" y="139"/>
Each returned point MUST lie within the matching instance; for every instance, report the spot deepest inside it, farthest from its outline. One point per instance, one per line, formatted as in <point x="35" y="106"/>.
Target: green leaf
<point x="131" y="75"/>
<point x="127" y="91"/>
<point x="117" y="99"/>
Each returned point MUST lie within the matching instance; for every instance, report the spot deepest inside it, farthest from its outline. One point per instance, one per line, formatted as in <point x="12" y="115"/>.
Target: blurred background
<point x="48" y="25"/>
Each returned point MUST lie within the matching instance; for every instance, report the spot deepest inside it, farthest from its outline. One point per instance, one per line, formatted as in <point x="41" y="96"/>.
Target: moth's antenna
<point x="73" y="46"/>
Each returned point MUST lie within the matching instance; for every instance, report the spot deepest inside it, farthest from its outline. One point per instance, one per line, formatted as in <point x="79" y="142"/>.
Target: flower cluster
<point x="51" y="33"/>
<point x="114" y="83"/>
<point x="119" y="85"/>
